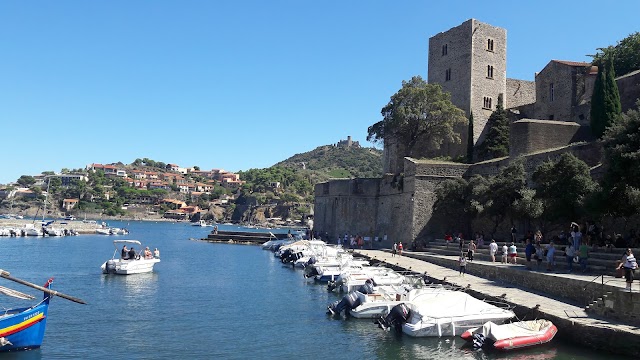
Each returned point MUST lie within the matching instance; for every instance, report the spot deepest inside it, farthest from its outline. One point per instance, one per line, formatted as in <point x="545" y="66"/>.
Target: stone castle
<point x="550" y="116"/>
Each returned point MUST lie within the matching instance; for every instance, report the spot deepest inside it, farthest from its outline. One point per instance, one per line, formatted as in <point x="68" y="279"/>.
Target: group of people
<point x="352" y="242"/>
<point x="131" y="254"/>
<point x="396" y="249"/>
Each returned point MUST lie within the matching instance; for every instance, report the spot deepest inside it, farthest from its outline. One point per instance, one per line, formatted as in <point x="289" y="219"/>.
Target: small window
<point x="447" y="75"/>
<point x="489" y="45"/>
<point x="551" y="93"/>
<point x="486" y="103"/>
<point x="489" y="71"/>
<point x="444" y="49"/>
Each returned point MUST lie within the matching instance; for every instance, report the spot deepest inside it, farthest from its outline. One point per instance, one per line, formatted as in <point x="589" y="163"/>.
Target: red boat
<point x="511" y="336"/>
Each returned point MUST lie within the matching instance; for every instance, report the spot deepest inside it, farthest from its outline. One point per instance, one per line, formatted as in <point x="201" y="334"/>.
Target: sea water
<point x="205" y="301"/>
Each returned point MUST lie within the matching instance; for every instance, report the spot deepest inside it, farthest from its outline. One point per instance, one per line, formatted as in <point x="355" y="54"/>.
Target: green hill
<point x="325" y="162"/>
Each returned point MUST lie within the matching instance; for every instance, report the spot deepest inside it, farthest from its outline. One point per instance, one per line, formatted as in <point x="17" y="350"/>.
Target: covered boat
<point x="129" y="265"/>
<point x="511" y="336"/>
<point x="449" y="314"/>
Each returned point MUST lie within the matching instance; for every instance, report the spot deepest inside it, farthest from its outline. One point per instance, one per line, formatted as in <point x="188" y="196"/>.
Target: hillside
<point x="325" y="162"/>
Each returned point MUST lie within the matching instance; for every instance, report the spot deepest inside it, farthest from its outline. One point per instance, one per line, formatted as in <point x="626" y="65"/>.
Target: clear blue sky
<point x="241" y="84"/>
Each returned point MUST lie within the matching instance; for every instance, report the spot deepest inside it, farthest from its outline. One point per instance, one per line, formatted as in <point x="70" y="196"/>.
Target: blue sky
<point x="241" y="84"/>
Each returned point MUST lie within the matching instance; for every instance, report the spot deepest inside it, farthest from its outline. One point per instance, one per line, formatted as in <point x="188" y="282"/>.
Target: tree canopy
<point x="418" y="114"/>
<point x="625" y="54"/>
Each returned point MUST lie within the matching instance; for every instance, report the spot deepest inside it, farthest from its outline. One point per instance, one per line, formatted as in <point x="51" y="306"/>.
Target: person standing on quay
<point x="400" y="248"/>
<point x="505" y="251"/>
<point x="471" y="249"/>
<point x="394" y="249"/>
<point x="493" y="249"/>
<point x="463" y="264"/>
<point x="629" y="264"/>
<point x="570" y="253"/>
<point x="529" y="250"/>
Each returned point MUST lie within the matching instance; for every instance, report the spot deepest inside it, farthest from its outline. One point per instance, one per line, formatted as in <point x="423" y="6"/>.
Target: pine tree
<point x="496" y="142"/>
<point x="605" y="101"/>
<point x="470" y="140"/>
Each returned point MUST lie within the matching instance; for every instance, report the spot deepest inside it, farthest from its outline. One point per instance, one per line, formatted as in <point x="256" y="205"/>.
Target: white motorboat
<point x="201" y="223"/>
<point x="372" y="306"/>
<point x="449" y="314"/>
<point x="126" y="266"/>
<point x="32" y="231"/>
<point x="118" y="231"/>
<point x="103" y="231"/>
<point x="51" y="231"/>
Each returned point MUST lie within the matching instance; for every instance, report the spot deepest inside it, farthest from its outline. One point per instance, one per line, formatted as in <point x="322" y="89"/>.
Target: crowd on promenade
<point x="575" y="247"/>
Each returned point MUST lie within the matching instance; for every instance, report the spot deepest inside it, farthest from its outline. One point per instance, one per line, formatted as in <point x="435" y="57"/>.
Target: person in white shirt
<point x="493" y="249"/>
<point x="629" y="264"/>
<point x="505" y="251"/>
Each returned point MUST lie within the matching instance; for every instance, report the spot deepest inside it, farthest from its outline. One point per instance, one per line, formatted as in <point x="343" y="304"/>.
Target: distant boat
<point x="201" y="223"/>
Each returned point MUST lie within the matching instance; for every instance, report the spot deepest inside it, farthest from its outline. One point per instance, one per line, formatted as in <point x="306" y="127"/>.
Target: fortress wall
<point x="527" y="136"/>
<point x="344" y="206"/>
<point x="519" y="93"/>
<point x="629" y="88"/>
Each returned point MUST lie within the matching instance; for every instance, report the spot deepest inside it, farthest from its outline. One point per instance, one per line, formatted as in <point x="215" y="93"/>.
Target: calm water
<point x="204" y="301"/>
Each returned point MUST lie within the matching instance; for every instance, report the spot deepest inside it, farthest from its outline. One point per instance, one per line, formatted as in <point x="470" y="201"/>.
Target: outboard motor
<point x="367" y="287"/>
<point x="312" y="260"/>
<point x="398" y="315"/>
<point x="285" y="255"/>
<point x="349" y="301"/>
<point x="110" y="268"/>
<point x="310" y="271"/>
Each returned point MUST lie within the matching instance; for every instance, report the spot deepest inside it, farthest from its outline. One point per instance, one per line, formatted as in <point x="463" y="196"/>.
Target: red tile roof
<point x="572" y="63"/>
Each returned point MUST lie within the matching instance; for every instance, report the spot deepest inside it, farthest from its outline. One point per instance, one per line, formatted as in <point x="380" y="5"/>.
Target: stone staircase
<point x="599" y="262"/>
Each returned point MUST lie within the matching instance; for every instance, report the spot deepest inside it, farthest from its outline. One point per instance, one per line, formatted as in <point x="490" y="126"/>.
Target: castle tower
<point x="470" y="62"/>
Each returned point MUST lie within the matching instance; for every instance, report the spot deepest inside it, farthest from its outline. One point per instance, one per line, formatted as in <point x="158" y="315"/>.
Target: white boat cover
<point x="516" y="329"/>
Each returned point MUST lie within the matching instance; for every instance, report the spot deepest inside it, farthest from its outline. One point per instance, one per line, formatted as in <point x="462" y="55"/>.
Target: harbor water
<point x="205" y="301"/>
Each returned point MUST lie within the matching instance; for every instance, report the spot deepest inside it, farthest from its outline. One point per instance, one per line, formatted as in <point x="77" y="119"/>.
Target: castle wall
<point x="629" y="88"/>
<point x="528" y="136"/>
<point x="519" y="93"/>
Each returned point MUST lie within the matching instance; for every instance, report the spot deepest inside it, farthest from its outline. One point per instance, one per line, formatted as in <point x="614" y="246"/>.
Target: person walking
<point x="400" y="248"/>
<point x="514" y="234"/>
<point x="551" y="252"/>
<point x="394" y="249"/>
<point x="493" y="249"/>
<point x="529" y="250"/>
<point x="539" y="256"/>
<point x="505" y="252"/>
<point x="570" y="253"/>
<point x="463" y="264"/>
<point x="471" y="249"/>
<point x="629" y="264"/>
<point x="513" y="253"/>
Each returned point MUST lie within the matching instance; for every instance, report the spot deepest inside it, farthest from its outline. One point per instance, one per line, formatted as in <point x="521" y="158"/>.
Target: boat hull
<point x="23" y="329"/>
<point x="128" y="267"/>
<point x="516" y="340"/>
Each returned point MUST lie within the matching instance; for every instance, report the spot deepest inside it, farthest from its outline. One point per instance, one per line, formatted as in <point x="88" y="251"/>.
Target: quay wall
<point x="577" y="327"/>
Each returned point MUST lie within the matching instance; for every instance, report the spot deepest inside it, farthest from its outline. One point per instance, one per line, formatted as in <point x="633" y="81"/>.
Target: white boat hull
<point x="128" y="267"/>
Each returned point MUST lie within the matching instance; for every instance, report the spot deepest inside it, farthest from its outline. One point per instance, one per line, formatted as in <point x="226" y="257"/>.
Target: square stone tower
<point x="470" y="62"/>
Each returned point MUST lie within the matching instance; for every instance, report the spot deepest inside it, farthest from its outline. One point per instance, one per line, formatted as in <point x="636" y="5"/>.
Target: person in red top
<point x="400" y="248"/>
<point x="448" y="238"/>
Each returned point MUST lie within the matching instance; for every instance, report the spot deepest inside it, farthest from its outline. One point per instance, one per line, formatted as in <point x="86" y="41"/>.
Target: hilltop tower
<point x="470" y="62"/>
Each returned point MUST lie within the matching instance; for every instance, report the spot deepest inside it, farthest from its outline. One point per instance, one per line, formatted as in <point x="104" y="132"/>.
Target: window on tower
<point x="486" y="104"/>
<point x="489" y="71"/>
<point x="447" y="74"/>
<point x="551" y="92"/>
<point x="444" y="49"/>
<point x="489" y="45"/>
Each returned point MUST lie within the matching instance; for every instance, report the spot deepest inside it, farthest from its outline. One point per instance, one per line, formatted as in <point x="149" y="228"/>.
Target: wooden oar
<point x="7" y="275"/>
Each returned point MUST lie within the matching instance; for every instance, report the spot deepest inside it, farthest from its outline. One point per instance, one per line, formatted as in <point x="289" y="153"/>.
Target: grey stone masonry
<point x="469" y="61"/>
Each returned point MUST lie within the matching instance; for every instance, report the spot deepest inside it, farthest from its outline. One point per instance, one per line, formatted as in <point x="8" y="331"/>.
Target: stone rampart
<point x="520" y="92"/>
<point x="528" y="136"/>
<point x="629" y="88"/>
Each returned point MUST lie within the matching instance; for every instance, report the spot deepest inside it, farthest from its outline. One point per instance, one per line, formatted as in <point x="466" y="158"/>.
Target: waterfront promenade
<point x="574" y="302"/>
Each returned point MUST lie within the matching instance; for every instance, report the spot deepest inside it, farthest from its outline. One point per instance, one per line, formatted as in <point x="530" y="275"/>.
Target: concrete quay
<point x="562" y="300"/>
<point x="77" y="225"/>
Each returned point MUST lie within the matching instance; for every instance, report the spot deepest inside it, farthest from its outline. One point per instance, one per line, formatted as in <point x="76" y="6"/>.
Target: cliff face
<point x="260" y="213"/>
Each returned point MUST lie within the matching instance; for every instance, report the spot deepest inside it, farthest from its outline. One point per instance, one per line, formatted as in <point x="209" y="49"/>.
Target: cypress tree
<point x="470" y="140"/>
<point x="597" y="120"/>
<point x="605" y="101"/>
<point x="496" y="142"/>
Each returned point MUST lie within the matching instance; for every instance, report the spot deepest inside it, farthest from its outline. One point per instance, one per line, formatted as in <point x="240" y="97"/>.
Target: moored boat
<point x="515" y="335"/>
